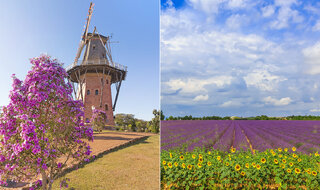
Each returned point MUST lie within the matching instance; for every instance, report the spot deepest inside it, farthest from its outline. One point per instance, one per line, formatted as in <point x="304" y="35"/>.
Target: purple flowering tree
<point x="98" y="119"/>
<point x="42" y="130"/>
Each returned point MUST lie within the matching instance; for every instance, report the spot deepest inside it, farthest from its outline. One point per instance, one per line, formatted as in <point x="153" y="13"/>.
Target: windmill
<point x="93" y="76"/>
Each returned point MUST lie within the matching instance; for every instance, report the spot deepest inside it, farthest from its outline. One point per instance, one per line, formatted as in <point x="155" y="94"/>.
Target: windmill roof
<point x="104" y="38"/>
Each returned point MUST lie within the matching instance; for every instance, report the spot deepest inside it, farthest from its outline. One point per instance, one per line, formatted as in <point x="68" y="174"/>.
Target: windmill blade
<point x="80" y="48"/>
<point x="84" y="36"/>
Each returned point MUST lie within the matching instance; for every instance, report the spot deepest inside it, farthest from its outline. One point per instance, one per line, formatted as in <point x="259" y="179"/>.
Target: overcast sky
<point x="240" y="57"/>
<point x="29" y="28"/>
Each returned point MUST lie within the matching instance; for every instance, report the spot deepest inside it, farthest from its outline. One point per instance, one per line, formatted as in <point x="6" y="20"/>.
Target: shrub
<point x="98" y="120"/>
<point x="42" y="127"/>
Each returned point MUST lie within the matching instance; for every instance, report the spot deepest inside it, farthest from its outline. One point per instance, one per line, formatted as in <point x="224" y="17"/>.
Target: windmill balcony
<point x="98" y="62"/>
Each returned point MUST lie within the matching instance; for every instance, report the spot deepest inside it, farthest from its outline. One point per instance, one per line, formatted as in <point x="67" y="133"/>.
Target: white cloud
<point x="169" y="3"/>
<point x="276" y="102"/>
<point x="231" y="103"/>
<point x="285" y="3"/>
<point x="210" y="38"/>
<point x="208" y="6"/>
<point x="235" y="21"/>
<point x="232" y="4"/>
<point x="286" y="14"/>
<point x="312" y="58"/>
<point x="316" y="26"/>
<point x="263" y="80"/>
<point x="201" y="97"/>
<point x="194" y="85"/>
<point x="315" y="110"/>
<point x="268" y="11"/>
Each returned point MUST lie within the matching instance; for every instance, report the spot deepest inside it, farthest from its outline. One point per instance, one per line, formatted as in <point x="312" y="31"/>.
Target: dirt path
<point x="102" y="142"/>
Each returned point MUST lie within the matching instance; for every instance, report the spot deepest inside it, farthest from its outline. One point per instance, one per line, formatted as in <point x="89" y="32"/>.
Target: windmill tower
<point x="93" y="76"/>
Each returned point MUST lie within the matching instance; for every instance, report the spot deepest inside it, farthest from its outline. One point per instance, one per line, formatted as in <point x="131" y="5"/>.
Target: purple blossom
<point x="35" y="121"/>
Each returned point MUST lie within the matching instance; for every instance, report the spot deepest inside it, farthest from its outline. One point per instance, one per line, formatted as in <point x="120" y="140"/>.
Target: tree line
<point x="127" y="122"/>
<point x="261" y="117"/>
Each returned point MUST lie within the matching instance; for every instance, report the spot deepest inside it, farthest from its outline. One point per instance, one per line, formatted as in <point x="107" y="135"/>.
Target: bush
<point x="98" y="120"/>
<point x="42" y="127"/>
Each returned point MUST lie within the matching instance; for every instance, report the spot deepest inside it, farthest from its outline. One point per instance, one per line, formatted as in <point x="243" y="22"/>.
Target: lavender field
<point x="240" y="134"/>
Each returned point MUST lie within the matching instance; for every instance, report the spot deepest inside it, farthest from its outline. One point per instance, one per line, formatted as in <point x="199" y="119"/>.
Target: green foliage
<point x="155" y="122"/>
<point x="202" y="169"/>
<point x="129" y="122"/>
<point x="131" y="128"/>
<point x="123" y="119"/>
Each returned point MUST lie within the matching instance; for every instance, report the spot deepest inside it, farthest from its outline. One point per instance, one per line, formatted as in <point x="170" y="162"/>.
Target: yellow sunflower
<point x="243" y="173"/>
<point x="176" y="164"/>
<point x="299" y="159"/>
<point x="275" y="161"/>
<point x="209" y="163"/>
<point x="263" y="160"/>
<point x="291" y="164"/>
<point x="247" y="165"/>
<point x="170" y="155"/>
<point x="253" y="164"/>
<point x="189" y="167"/>
<point x="308" y="171"/>
<point x="297" y="170"/>
<point x="316" y="154"/>
<point x="200" y="155"/>
<point x="233" y="150"/>
<point x="284" y="160"/>
<point x="199" y="165"/>
<point x="279" y="149"/>
<point x="165" y="167"/>
<point x="218" y="158"/>
<point x="200" y="159"/>
<point x="227" y="163"/>
<point x="164" y="162"/>
<point x="169" y="164"/>
<point x="183" y="165"/>
<point x="209" y="152"/>
<point x="193" y="156"/>
<point x="294" y="149"/>
<point x="181" y="157"/>
<point x="237" y="167"/>
<point x="286" y="149"/>
<point x="258" y="167"/>
<point x="288" y="170"/>
<point x="314" y="173"/>
<point x="280" y="155"/>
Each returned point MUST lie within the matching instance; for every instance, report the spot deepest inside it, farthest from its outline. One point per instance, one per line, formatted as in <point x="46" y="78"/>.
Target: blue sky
<point x="240" y="57"/>
<point x="29" y="28"/>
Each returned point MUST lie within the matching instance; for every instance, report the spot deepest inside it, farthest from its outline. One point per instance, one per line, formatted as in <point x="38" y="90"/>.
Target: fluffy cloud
<point x="201" y="97"/>
<point x="286" y="14"/>
<point x="194" y="85"/>
<point x="263" y="80"/>
<point x="276" y="102"/>
<point x="231" y="104"/>
<point x="312" y="58"/>
<point x="268" y="11"/>
<point x="316" y="27"/>
<point x="218" y="57"/>
<point x="208" y="6"/>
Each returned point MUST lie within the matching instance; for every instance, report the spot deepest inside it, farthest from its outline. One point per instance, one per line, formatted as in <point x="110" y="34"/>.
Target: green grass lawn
<point x="133" y="167"/>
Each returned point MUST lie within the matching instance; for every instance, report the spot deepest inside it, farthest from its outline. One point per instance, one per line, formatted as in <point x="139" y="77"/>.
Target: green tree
<point x="155" y="122"/>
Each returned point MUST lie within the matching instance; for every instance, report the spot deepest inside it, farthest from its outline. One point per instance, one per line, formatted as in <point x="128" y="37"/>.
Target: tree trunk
<point x="44" y="180"/>
<point x="50" y="185"/>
